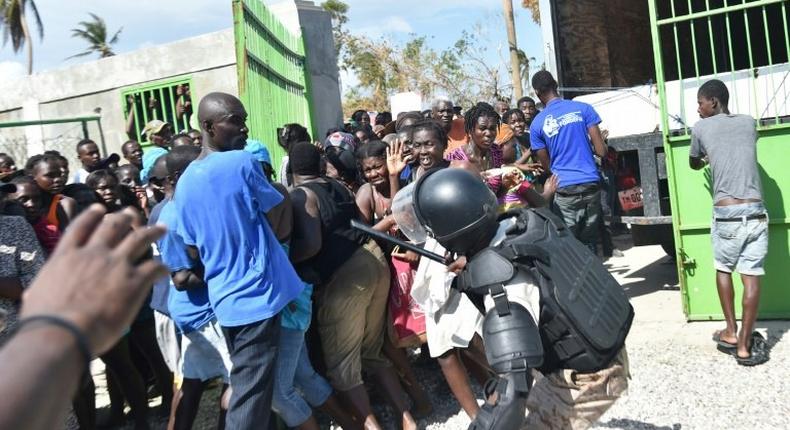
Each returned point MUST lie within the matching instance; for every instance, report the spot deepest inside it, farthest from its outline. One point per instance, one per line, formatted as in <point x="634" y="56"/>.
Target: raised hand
<point x="395" y="162"/>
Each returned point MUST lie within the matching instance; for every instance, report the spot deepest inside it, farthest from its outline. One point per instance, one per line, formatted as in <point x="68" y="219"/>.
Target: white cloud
<point x="11" y="70"/>
<point x="388" y="26"/>
<point x="396" y="24"/>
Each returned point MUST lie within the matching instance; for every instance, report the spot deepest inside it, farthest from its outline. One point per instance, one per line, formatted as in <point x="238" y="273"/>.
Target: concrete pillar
<point x="34" y="135"/>
<point x="321" y="66"/>
<point x="315" y="25"/>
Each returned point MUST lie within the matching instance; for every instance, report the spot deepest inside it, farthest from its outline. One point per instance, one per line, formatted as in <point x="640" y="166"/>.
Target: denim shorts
<point x="204" y="353"/>
<point x="740" y="246"/>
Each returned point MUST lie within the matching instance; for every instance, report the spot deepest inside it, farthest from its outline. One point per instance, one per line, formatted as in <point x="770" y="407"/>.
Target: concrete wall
<point x="209" y="59"/>
<point x="82" y="89"/>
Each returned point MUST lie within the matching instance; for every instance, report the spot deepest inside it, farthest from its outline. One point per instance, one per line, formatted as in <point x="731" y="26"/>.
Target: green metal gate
<point x="746" y="45"/>
<point x="273" y="84"/>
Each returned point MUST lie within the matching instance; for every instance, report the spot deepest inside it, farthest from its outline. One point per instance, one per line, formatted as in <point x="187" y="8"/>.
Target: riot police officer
<point x="552" y="310"/>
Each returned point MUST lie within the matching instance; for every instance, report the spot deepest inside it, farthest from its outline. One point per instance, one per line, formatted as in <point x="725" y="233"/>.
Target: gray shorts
<point x="169" y="343"/>
<point x="740" y="246"/>
<point x="205" y="354"/>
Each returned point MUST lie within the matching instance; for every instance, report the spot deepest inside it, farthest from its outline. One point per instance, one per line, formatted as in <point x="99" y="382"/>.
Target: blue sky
<point x="151" y="22"/>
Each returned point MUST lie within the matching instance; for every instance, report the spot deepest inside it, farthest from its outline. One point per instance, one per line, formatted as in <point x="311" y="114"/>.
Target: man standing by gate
<point x="739" y="232"/>
<point x="561" y="135"/>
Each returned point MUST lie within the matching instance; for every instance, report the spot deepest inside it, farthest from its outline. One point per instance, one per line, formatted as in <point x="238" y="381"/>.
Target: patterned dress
<point x="20" y="257"/>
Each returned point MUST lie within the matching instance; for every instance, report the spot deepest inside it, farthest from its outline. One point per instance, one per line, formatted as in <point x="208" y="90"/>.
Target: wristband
<point x="79" y="338"/>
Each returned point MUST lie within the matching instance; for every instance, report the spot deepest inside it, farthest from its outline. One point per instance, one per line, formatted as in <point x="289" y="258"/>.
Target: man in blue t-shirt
<point x="222" y="204"/>
<point x="564" y="136"/>
<point x="203" y="351"/>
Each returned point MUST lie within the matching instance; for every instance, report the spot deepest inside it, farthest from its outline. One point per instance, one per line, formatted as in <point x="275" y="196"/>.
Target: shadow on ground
<point x="660" y="275"/>
<point x="633" y="424"/>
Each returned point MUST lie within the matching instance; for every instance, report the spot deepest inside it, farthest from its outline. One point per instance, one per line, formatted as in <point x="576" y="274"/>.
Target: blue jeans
<point x="293" y="370"/>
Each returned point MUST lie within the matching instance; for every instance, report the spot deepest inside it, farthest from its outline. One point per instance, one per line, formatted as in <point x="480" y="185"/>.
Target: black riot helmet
<point x="457" y="208"/>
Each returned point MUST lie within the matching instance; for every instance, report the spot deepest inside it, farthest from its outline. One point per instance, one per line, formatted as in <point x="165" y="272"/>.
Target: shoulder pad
<point x="486" y="268"/>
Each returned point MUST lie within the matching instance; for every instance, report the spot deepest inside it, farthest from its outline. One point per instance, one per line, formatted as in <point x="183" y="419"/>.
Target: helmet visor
<point x="405" y="215"/>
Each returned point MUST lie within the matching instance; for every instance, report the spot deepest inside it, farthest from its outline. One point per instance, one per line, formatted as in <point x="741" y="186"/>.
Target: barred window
<point x="169" y="101"/>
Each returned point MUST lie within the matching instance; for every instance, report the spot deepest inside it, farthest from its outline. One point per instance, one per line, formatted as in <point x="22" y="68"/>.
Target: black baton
<point x="403" y="244"/>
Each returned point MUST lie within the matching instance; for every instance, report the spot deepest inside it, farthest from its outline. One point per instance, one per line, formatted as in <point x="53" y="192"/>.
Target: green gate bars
<point x="270" y="62"/>
<point x="746" y="44"/>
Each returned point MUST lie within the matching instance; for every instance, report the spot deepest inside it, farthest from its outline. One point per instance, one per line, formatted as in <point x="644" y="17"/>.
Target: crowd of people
<point x="270" y="289"/>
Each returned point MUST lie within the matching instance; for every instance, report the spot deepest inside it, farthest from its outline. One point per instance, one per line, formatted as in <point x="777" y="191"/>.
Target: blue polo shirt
<point x="190" y="310"/>
<point x="221" y="203"/>
<point x="561" y="129"/>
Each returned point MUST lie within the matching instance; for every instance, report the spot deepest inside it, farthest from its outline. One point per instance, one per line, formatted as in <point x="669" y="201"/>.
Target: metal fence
<point x="61" y="134"/>
<point x="743" y="43"/>
<point x="270" y="62"/>
<point x="168" y="100"/>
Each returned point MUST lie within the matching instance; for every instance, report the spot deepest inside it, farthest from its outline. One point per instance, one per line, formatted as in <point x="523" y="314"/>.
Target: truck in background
<point x="602" y="53"/>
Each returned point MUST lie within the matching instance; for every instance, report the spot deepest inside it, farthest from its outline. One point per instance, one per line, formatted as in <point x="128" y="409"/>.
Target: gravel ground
<point x="679" y="380"/>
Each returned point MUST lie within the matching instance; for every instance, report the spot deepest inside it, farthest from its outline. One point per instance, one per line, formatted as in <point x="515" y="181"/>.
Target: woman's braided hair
<point x="480" y="110"/>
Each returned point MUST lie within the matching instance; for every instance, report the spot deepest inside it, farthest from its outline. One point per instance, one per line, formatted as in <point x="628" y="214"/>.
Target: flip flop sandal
<point x="722" y="344"/>
<point x="758" y="353"/>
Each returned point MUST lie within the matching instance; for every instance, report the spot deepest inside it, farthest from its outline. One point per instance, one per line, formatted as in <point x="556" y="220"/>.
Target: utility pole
<point x="515" y="69"/>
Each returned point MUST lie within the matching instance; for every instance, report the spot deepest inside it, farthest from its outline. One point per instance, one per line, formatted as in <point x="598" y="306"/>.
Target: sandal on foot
<point x="758" y="354"/>
<point x="721" y="343"/>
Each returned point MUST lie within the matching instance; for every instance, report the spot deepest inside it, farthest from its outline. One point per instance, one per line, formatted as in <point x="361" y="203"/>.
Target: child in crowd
<point x="47" y="171"/>
<point x="29" y="195"/>
<point x="88" y="154"/>
<point x="7" y="166"/>
<point x="48" y="211"/>
<point x="131" y="188"/>
<point x="107" y="186"/>
<point x="62" y="162"/>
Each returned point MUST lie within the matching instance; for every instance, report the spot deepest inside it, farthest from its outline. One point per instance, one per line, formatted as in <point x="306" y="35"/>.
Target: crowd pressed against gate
<point x="273" y="291"/>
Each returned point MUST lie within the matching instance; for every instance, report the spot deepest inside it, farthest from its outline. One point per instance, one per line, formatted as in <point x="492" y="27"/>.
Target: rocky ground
<point x="679" y="380"/>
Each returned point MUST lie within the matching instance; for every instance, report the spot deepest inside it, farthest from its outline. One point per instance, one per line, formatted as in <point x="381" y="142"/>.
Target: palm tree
<point x="14" y="23"/>
<point x="95" y="33"/>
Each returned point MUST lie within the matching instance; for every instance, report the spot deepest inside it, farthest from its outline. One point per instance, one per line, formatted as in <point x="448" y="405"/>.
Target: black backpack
<point x="584" y="315"/>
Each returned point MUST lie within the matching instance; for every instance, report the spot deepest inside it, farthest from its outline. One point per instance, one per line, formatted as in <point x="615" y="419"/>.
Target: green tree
<point x="95" y="34"/>
<point x="384" y="66"/>
<point x="15" y="26"/>
<point x="338" y="11"/>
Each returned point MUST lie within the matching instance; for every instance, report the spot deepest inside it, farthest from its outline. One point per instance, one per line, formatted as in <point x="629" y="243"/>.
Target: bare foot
<point x="725" y="336"/>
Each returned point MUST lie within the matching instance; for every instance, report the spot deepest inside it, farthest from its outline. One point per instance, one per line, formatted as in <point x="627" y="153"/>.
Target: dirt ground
<point x="679" y="380"/>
